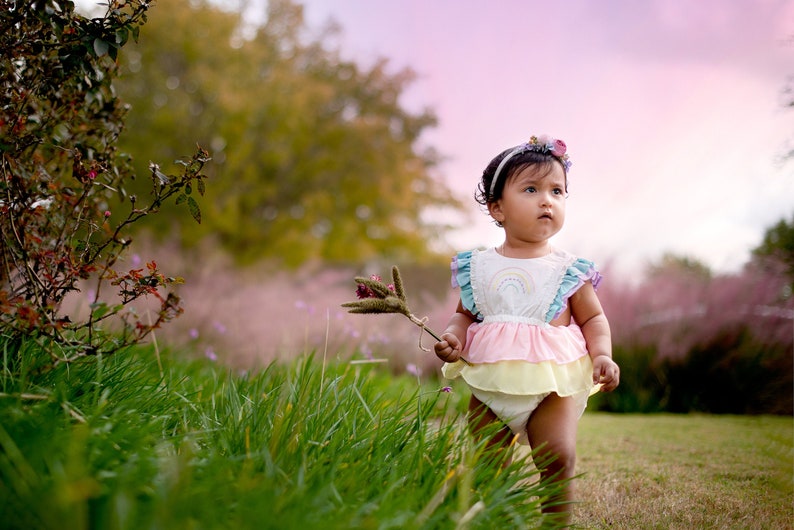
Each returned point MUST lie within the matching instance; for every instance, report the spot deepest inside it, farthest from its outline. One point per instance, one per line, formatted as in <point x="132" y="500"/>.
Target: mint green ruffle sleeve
<point x="461" y="277"/>
<point x="579" y="272"/>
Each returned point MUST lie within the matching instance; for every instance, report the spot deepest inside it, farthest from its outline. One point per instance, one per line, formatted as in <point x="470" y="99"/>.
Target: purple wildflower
<point x="412" y="369"/>
<point x="362" y="291"/>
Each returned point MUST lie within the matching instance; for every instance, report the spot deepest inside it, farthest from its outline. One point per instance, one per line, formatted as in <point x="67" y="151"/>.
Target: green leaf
<point x="181" y="198"/>
<point x="100" y="47"/>
<point x="99" y="309"/>
<point x="188" y="188"/>
<point x="194" y="209"/>
<point x="122" y="34"/>
<point x="200" y="186"/>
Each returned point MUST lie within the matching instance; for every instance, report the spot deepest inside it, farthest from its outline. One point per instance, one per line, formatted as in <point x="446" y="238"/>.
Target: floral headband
<point x="540" y="144"/>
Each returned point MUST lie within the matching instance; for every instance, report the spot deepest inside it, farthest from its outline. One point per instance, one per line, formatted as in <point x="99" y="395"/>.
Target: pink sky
<point x="672" y="110"/>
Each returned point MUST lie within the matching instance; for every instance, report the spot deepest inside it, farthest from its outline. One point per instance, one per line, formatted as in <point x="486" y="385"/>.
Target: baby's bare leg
<point x="482" y="421"/>
<point x="552" y="430"/>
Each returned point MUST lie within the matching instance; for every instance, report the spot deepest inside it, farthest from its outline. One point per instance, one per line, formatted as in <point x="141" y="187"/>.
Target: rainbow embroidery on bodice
<point x="513" y="281"/>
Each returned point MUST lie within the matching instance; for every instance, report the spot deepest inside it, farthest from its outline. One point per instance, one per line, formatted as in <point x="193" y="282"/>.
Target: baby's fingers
<point x="448" y="349"/>
<point x="608" y="377"/>
<point x="608" y="384"/>
<point x="445" y="352"/>
<point x="449" y="355"/>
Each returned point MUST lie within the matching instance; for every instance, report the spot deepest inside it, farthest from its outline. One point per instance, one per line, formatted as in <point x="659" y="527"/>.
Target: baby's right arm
<point x="454" y="337"/>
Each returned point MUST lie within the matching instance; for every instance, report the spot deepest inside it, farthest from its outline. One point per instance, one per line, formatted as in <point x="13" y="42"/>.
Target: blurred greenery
<point x="778" y="244"/>
<point x="314" y="156"/>
<point x="679" y="265"/>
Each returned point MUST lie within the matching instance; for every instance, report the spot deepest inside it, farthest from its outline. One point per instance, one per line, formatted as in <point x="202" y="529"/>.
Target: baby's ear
<point x="495" y="209"/>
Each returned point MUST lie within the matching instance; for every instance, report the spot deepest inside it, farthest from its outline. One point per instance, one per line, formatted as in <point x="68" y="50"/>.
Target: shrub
<point x="688" y="341"/>
<point x="642" y="382"/>
<point x="733" y="372"/>
<point x="60" y="172"/>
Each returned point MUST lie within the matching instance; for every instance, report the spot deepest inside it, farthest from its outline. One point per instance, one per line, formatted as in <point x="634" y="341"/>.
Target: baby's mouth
<point x="546" y="215"/>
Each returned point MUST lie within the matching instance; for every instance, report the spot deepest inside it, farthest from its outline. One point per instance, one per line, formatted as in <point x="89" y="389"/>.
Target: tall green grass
<point x="121" y="443"/>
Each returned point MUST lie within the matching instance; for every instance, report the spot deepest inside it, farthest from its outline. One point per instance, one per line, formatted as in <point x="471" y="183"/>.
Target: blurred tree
<point x="316" y="157"/>
<point x="683" y="266"/>
<point x="778" y="244"/>
<point x="675" y="287"/>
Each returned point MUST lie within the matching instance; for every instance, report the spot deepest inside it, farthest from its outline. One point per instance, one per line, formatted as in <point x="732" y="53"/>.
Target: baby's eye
<point x="557" y="191"/>
<point x="530" y="189"/>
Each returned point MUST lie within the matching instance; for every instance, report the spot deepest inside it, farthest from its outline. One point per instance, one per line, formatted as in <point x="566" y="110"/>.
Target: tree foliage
<point x="778" y="245"/>
<point x="683" y="266"/>
<point x="64" y="208"/>
<point x="319" y="159"/>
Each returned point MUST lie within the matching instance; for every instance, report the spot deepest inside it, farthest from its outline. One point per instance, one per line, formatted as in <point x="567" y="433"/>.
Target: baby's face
<point x="532" y="207"/>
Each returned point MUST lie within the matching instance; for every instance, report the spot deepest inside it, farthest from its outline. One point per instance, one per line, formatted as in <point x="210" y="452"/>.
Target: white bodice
<point x="516" y="290"/>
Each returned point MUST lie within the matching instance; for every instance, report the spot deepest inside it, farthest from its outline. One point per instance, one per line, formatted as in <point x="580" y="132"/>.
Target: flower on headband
<point x="546" y="144"/>
<point x="543" y="141"/>
<point x="538" y="144"/>
<point x="558" y="148"/>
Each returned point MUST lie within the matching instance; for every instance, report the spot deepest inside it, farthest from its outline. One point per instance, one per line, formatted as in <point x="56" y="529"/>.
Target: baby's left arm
<point x="588" y="314"/>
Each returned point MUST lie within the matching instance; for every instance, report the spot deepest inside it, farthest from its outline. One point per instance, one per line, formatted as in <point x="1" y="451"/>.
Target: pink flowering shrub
<point x="687" y="341"/>
<point x="251" y="316"/>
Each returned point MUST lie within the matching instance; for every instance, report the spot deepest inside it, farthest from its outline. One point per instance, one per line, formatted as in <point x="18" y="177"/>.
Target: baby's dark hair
<point x="517" y="163"/>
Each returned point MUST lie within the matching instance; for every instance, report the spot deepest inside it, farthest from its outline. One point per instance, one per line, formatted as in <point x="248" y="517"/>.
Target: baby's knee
<point x="566" y="459"/>
<point x="558" y="456"/>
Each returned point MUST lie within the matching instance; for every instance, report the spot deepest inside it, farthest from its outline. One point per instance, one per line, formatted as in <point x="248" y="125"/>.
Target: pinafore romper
<point x="516" y="357"/>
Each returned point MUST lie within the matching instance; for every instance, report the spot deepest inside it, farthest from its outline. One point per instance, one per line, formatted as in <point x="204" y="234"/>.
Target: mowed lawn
<point x="685" y="472"/>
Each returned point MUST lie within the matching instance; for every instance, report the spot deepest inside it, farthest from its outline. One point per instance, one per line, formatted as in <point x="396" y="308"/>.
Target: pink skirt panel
<point x="492" y="342"/>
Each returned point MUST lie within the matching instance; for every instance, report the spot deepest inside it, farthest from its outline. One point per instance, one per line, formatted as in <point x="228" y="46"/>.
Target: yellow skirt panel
<point x="524" y="378"/>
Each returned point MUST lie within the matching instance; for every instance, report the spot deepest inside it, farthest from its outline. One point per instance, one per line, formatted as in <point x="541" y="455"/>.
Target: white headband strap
<point x="541" y="144"/>
<point x="511" y="154"/>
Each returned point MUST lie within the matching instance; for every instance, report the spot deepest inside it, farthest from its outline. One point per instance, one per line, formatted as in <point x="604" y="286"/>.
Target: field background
<point x="266" y="405"/>
<point x="685" y="471"/>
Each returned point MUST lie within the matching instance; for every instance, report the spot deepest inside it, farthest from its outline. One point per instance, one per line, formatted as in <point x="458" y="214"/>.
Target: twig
<point x="376" y="297"/>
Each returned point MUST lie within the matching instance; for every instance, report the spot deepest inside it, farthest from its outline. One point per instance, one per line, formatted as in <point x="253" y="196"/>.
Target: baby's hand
<point x="449" y="348"/>
<point x="606" y="372"/>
